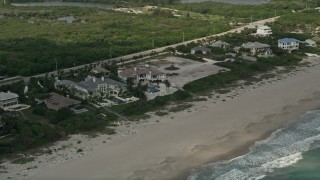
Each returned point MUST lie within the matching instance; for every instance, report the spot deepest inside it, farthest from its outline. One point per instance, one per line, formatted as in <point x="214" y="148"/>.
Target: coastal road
<point x="157" y="50"/>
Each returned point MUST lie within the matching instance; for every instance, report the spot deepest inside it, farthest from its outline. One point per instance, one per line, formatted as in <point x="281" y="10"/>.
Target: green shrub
<point x="40" y="110"/>
<point x="161" y="113"/>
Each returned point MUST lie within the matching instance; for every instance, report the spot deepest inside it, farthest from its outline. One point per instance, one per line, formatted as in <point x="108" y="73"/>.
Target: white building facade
<point x="141" y="74"/>
<point x="93" y="86"/>
<point x="257" y="48"/>
<point x="288" y="44"/>
<point x="8" y="99"/>
<point x="264" y="31"/>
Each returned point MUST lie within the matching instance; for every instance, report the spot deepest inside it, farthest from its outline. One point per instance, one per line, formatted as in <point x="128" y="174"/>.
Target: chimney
<point x="102" y="78"/>
<point x="94" y="79"/>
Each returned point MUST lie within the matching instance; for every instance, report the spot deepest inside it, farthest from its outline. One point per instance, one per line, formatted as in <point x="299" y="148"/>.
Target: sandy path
<point x="171" y="148"/>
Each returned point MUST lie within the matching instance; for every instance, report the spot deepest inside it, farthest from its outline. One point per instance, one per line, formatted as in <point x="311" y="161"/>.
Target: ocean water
<point x="306" y="169"/>
<point x="292" y="153"/>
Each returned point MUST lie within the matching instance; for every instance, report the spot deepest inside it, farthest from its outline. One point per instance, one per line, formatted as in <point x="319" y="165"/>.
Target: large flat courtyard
<point x="189" y="70"/>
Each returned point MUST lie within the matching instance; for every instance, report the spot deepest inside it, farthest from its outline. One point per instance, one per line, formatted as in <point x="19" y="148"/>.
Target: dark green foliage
<point x="113" y="68"/>
<point x="111" y="117"/>
<point x="29" y="133"/>
<point x="39" y="55"/>
<point x="305" y="21"/>
<point x="26" y="134"/>
<point x="217" y="50"/>
<point x="82" y="123"/>
<point x="246" y="13"/>
<point x="61" y="115"/>
<point x="106" y="34"/>
<point x="170" y="49"/>
<point x="137" y="91"/>
<point x="280" y="61"/>
<point x="40" y="110"/>
<point x="167" y="83"/>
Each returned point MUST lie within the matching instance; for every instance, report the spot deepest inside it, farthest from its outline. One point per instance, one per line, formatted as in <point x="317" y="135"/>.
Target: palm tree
<point x="167" y="83"/>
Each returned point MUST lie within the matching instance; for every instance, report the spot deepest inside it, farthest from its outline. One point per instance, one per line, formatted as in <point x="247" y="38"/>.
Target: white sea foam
<point x="283" y="162"/>
<point x="283" y="148"/>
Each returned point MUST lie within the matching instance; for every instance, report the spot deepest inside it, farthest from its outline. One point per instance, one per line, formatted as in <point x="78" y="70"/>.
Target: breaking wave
<point x="283" y="148"/>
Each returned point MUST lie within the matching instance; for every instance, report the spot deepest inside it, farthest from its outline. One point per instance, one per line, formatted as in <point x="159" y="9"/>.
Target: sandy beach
<point x="169" y="147"/>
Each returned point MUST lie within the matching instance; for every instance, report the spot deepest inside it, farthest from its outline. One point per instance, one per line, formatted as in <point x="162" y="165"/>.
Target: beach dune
<point x="171" y="148"/>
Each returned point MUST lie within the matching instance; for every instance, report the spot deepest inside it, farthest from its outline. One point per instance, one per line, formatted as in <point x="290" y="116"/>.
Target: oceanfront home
<point x="288" y="44"/>
<point x="264" y="31"/>
<point x="200" y="49"/>
<point x="93" y="86"/>
<point x="310" y="43"/>
<point x="8" y="99"/>
<point x="257" y="48"/>
<point x="141" y="74"/>
<point x="102" y="85"/>
<point x="220" y="44"/>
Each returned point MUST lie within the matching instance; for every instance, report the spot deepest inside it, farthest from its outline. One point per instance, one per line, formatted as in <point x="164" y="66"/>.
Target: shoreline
<point x="241" y="150"/>
<point x="178" y="156"/>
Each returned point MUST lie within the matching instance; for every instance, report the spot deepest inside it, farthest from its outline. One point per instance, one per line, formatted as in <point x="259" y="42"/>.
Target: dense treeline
<point x="29" y="56"/>
<point x="306" y="21"/>
<point x="26" y="134"/>
<point x="103" y="35"/>
<point x="246" y="13"/>
<point x="116" y="2"/>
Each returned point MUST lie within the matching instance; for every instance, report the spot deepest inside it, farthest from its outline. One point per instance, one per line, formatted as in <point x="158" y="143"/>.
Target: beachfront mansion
<point x="288" y="44"/>
<point x="141" y="73"/>
<point x="264" y="31"/>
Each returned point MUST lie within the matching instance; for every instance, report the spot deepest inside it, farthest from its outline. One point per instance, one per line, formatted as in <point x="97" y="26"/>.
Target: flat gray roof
<point x="252" y="45"/>
<point x="201" y="48"/>
<point x="219" y="43"/>
<point x="57" y="101"/>
<point x="8" y="95"/>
